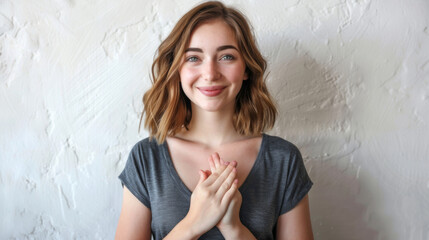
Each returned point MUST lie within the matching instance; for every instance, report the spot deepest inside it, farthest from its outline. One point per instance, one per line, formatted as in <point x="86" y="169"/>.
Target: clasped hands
<point x="216" y="200"/>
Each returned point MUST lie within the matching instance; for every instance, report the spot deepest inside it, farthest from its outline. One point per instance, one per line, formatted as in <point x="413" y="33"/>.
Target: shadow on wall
<point x="314" y="113"/>
<point x="336" y="211"/>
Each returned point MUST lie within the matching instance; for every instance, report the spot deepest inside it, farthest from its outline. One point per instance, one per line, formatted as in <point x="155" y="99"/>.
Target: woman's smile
<point x="211" y="91"/>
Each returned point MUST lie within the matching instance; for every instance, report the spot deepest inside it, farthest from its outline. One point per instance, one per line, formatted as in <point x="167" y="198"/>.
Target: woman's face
<point x="213" y="70"/>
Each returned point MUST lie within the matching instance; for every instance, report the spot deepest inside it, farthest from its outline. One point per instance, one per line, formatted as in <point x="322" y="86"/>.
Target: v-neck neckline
<point x="185" y="190"/>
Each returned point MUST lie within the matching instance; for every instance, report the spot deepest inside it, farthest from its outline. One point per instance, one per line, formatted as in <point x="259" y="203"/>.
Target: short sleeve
<point x="298" y="183"/>
<point x="133" y="176"/>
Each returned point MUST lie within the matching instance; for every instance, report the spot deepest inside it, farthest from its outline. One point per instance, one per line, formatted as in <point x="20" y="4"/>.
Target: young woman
<point x="208" y="171"/>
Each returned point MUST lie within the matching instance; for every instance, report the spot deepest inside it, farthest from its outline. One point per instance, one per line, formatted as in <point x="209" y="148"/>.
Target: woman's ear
<point x="246" y="76"/>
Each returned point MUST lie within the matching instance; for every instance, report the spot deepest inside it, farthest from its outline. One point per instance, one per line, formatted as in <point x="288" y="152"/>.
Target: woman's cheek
<point x="188" y="74"/>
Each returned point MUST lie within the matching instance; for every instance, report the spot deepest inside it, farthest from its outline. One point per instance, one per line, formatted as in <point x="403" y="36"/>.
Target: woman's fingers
<point x="229" y="194"/>
<point x="216" y="160"/>
<point x="203" y="176"/>
<point x="224" y="181"/>
<point x="212" y="164"/>
<point x="221" y="177"/>
<point x="215" y="179"/>
<point x="216" y="168"/>
<point x="215" y="163"/>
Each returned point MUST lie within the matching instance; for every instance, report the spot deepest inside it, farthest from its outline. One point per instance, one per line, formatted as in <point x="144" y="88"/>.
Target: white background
<point x="350" y="77"/>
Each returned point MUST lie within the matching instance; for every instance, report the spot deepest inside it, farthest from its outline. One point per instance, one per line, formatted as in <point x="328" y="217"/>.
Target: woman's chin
<point x="210" y="108"/>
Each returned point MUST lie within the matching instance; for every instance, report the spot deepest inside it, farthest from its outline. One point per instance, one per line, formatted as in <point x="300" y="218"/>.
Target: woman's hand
<point x="230" y="225"/>
<point x="211" y="198"/>
<point x="231" y="219"/>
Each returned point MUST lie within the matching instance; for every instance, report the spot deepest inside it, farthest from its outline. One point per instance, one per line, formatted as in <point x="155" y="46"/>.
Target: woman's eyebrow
<point x="221" y="48"/>
<point x="194" y="50"/>
<point x="226" y="47"/>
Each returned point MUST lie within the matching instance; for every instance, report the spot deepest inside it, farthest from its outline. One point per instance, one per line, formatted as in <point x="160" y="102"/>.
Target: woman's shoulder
<point x="276" y="143"/>
<point x="147" y="148"/>
<point x="282" y="152"/>
<point x="145" y="143"/>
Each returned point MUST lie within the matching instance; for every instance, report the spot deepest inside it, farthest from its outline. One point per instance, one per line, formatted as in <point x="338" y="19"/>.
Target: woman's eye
<point x="227" y="57"/>
<point x="191" y="59"/>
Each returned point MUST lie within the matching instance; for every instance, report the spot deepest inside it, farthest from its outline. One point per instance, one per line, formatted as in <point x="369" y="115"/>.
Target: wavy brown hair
<point x="167" y="109"/>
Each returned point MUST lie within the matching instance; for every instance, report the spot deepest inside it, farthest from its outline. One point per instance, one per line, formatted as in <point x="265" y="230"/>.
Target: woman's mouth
<point x="211" y="91"/>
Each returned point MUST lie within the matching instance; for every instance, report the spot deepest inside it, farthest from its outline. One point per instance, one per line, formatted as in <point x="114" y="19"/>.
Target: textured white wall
<point x="351" y="78"/>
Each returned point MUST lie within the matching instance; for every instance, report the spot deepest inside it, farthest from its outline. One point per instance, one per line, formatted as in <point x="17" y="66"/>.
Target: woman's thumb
<point x="203" y="176"/>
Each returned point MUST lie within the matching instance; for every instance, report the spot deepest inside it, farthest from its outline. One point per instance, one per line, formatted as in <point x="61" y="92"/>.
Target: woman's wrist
<point x="237" y="231"/>
<point x="229" y="231"/>
<point x="184" y="230"/>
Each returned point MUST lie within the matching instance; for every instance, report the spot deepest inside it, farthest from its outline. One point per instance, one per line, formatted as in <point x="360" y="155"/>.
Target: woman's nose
<point x="210" y="71"/>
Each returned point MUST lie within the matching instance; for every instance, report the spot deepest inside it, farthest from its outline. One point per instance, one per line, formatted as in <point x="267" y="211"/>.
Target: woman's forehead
<point x="215" y="32"/>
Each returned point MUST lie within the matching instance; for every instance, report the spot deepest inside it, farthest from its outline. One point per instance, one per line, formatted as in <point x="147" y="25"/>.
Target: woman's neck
<point x="211" y="128"/>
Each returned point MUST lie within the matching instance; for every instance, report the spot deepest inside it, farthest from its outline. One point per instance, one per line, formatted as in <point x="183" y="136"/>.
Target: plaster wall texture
<point x="350" y="77"/>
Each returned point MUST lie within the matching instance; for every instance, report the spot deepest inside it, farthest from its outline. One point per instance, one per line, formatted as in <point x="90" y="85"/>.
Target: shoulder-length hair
<point x="166" y="107"/>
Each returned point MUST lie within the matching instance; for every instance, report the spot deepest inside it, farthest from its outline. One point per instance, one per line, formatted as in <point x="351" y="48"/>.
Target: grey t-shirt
<point x="276" y="183"/>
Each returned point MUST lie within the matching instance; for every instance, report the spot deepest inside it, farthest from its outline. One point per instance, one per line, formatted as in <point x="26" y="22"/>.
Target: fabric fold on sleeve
<point x="298" y="182"/>
<point x="133" y="176"/>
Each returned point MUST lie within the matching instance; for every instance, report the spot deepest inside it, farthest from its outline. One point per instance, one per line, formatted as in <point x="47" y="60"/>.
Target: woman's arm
<point x="135" y="219"/>
<point x="296" y="223"/>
